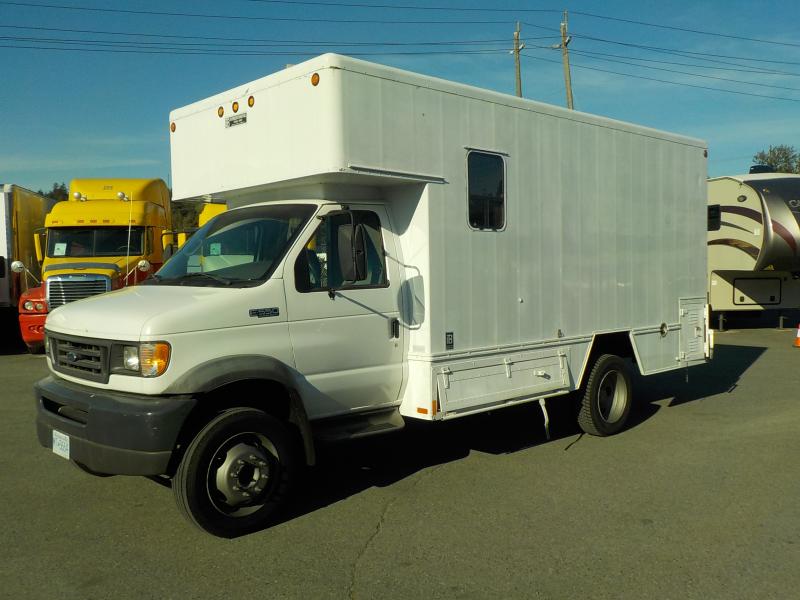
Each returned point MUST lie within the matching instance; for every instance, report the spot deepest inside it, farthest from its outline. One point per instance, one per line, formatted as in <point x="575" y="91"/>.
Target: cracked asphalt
<point x="699" y="498"/>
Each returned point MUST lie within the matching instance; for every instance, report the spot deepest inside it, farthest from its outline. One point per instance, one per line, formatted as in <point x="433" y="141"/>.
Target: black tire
<point x="236" y="473"/>
<point x="607" y="397"/>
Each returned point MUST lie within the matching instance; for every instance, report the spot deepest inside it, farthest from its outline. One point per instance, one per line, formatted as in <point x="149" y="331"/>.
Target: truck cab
<point x="93" y="243"/>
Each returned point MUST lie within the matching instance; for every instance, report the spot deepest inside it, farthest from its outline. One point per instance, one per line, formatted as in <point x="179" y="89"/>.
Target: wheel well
<point x="263" y="394"/>
<point x="618" y="343"/>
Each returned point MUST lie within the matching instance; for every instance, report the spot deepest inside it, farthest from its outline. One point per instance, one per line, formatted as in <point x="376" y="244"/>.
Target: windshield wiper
<point x="190" y="276"/>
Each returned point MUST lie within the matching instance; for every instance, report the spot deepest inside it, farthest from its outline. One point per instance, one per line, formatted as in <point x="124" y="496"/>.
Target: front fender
<point x="214" y="374"/>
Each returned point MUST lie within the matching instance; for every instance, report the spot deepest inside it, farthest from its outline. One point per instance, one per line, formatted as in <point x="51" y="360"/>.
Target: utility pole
<point x="565" y="39"/>
<point x="515" y="52"/>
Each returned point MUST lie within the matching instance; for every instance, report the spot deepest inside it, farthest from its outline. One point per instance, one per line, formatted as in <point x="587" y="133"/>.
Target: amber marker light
<point x="153" y="358"/>
<point x="251" y="101"/>
<point x="220" y="112"/>
<point x="172" y="127"/>
<point x="235" y="107"/>
<point x="315" y="79"/>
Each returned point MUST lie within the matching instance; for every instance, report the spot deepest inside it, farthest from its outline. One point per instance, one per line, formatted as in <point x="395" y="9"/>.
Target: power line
<point x="406" y="7"/>
<point x="522" y="10"/>
<point x="263" y="41"/>
<point x="692" y="85"/>
<point x="111" y="48"/>
<point x="741" y="69"/>
<point x="247" y="17"/>
<point x="684" y="53"/>
<point x="685" y="29"/>
<point x="623" y="62"/>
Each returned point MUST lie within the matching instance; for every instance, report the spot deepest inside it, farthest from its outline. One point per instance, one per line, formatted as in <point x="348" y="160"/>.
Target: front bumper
<point x="111" y="432"/>
<point x="31" y="326"/>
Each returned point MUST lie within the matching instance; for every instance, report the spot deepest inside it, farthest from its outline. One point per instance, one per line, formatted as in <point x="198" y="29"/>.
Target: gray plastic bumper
<point x="111" y="432"/>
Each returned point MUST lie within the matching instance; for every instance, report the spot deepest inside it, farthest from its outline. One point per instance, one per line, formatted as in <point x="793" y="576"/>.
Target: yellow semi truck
<point x="21" y="213"/>
<point x="107" y="235"/>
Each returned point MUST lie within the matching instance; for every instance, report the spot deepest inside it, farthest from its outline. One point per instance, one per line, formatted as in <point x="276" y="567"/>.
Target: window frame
<point x="503" y="157"/>
<point x="382" y="250"/>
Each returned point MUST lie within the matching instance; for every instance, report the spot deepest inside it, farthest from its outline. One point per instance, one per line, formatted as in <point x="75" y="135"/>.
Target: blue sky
<point x="68" y="112"/>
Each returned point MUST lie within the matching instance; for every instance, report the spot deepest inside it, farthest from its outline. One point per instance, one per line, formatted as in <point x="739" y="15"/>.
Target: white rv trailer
<point x="753" y="241"/>
<point x="399" y="247"/>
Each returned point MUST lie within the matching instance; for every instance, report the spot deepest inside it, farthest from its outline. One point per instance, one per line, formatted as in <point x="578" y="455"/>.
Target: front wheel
<point x="236" y="472"/>
<point x="607" y="397"/>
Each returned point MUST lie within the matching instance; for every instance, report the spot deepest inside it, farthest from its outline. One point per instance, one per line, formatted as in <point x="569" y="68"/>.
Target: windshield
<point x="238" y="247"/>
<point x="94" y="241"/>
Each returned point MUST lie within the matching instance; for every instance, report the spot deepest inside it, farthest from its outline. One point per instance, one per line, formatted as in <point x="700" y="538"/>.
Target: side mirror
<point x="352" y="252"/>
<point x="144" y="265"/>
<point x="18" y="266"/>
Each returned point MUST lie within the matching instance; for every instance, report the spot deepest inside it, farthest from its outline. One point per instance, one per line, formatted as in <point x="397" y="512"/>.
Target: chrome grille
<point x="62" y="289"/>
<point x="79" y="357"/>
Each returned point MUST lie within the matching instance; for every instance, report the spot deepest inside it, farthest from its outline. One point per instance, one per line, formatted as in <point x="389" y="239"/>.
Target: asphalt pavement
<point x="698" y="498"/>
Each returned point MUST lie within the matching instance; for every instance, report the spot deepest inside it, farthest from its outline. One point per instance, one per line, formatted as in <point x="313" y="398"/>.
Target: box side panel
<point x="605" y="230"/>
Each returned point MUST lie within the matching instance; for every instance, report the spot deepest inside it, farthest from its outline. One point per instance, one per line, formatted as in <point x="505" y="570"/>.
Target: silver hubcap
<point x="240" y="474"/>
<point x="612" y="395"/>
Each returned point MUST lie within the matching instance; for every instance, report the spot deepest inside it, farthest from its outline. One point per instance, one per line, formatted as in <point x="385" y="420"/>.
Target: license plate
<point x="61" y="444"/>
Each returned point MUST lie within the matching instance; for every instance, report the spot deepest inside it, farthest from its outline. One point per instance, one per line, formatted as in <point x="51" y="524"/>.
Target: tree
<point x="59" y="192"/>
<point x="184" y="215"/>
<point x="783" y="159"/>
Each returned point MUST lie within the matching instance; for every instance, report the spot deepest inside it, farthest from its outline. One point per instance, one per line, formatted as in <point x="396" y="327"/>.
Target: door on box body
<point x="348" y="343"/>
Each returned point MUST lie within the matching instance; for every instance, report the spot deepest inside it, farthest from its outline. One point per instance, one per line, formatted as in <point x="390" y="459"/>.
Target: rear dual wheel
<point x="236" y="473"/>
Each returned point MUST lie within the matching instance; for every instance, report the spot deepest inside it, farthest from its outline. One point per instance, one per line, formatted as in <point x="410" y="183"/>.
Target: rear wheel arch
<point x="617" y="343"/>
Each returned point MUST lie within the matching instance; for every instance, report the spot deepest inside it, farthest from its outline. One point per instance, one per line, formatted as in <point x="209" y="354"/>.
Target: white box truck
<point x="753" y="243"/>
<point x="398" y="247"/>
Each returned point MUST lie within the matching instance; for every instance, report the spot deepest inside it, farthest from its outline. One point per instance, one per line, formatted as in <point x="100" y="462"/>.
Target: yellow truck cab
<point x="94" y="243"/>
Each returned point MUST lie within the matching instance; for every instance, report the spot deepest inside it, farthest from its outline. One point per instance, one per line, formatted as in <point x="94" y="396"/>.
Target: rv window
<point x="486" y="193"/>
<point x="714" y="217"/>
<point x="318" y="269"/>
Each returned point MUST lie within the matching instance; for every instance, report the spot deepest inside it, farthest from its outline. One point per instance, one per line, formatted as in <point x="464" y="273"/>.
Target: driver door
<point x="348" y="343"/>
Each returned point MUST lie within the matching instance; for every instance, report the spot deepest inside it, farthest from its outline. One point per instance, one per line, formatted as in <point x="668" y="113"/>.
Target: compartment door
<point x="693" y="330"/>
<point x="474" y="384"/>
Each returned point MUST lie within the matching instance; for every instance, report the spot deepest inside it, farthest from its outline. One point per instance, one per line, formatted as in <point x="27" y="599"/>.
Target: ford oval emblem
<point x="72" y="356"/>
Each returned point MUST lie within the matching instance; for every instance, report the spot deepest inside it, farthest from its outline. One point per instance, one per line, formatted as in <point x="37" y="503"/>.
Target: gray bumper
<point x="111" y="432"/>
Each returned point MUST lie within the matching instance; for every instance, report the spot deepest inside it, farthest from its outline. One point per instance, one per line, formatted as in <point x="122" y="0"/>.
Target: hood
<point x="114" y="267"/>
<point x="148" y="310"/>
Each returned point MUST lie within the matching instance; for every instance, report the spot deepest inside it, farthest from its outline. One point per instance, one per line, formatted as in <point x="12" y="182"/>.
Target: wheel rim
<point x="612" y="395"/>
<point x="242" y="474"/>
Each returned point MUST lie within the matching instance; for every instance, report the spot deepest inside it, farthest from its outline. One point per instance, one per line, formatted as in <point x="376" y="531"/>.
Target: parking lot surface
<point x="698" y="498"/>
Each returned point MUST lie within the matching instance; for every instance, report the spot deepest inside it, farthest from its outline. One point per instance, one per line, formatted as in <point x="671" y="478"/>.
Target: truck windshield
<point x="94" y="241"/>
<point x="240" y="247"/>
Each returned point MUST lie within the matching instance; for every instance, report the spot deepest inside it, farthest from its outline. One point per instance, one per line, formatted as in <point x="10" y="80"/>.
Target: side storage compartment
<point x="693" y="330"/>
<point x="472" y="384"/>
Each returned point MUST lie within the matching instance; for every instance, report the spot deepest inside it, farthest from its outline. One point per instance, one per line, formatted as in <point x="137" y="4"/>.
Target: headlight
<point x="28" y="305"/>
<point x="148" y="359"/>
<point x="130" y="358"/>
<point x="40" y="306"/>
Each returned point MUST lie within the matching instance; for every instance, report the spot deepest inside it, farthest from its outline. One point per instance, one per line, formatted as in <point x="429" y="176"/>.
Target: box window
<point x="486" y="190"/>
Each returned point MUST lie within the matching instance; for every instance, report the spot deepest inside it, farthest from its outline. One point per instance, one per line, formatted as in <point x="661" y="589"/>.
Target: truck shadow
<point x="348" y="468"/>
<point x="10" y="340"/>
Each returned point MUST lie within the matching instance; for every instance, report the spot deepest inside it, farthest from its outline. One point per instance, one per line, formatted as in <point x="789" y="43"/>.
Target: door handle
<point x="394" y="328"/>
